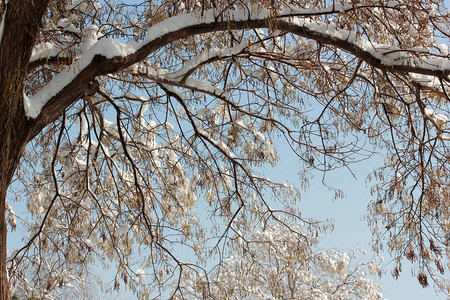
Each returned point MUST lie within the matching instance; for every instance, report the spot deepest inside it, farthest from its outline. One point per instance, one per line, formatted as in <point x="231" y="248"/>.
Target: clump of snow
<point x="45" y="50"/>
<point x="108" y="48"/>
<point x="132" y="96"/>
<point x="140" y="273"/>
<point x="63" y="23"/>
<point x="439" y="120"/>
<point x="73" y="29"/>
<point x="259" y="136"/>
<point x="443" y="48"/>
<point x="205" y="111"/>
<point x="427" y="80"/>
<point x="90" y="36"/>
<point x="123" y="228"/>
<point x="11" y="216"/>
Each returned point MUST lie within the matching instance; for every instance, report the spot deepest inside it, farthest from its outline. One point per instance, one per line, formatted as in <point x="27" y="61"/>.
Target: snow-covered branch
<point x="121" y="55"/>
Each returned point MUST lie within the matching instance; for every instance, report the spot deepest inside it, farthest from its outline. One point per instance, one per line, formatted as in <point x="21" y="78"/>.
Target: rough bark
<point x="21" y="26"/>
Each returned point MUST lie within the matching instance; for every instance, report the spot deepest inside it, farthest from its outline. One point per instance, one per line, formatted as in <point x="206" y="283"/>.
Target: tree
<point x="276" y="263"/>
<point x="118" y="118"/>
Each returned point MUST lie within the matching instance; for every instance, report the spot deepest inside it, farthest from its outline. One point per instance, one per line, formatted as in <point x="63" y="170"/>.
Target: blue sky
<point x="351" y="231"/>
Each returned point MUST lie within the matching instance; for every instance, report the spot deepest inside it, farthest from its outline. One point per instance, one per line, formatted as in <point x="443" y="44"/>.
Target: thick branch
<point x="102" y="65"/>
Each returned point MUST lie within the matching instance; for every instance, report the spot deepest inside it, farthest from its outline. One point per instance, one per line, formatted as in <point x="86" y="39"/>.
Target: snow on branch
<point x="108" y="48"/>
<point x="181" y="75"/>
<point x="212" y="54"/>
<point x="177" y="27"/>
<point x="47" y="50"/>
<point x="389" y="56"/>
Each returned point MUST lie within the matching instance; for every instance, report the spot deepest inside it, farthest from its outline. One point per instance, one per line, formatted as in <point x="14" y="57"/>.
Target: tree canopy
<point x="137" y="133"/>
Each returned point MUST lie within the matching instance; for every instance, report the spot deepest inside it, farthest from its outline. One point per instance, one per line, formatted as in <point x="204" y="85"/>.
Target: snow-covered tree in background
<point x="136" y="130"/>
<point x="280" y="263"/>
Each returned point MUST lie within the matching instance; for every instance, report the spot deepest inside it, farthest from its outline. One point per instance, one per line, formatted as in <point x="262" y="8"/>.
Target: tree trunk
<point x="22" y="21"/>
<point x="4" y="284"/>
<point x="13" y="139"/>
